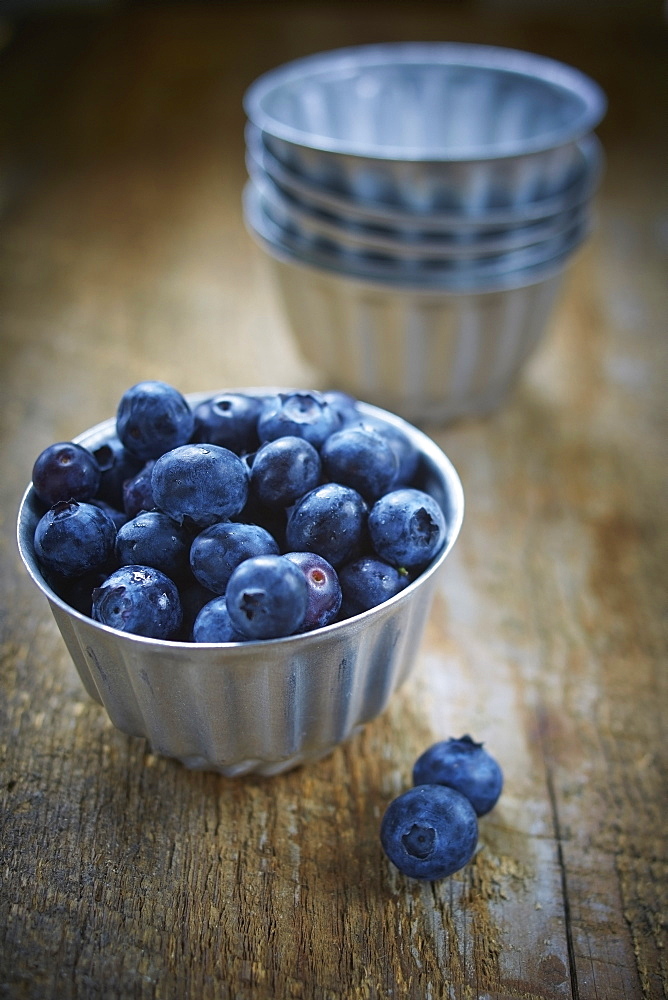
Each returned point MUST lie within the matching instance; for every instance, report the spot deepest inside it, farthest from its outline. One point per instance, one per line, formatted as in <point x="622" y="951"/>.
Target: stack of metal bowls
<point x="418" y="204"/>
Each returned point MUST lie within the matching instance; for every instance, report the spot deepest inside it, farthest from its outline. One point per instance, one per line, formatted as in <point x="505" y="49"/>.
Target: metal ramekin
<point x="260" y="707"/>
<point x="428" y="126"/>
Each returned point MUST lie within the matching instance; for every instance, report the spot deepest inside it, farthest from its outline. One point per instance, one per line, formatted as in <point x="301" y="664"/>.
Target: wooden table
<point x="124" y="256"/>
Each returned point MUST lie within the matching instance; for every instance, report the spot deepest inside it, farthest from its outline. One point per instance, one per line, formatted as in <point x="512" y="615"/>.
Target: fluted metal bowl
<point x="428" y="126"/>
<point x="399" y="222"/>
<point x="261" y="707"/>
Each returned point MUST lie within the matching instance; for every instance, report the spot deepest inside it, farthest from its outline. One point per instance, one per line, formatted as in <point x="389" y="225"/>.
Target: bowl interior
<point x="435" y="475"/>
<point x="425" y="102"/>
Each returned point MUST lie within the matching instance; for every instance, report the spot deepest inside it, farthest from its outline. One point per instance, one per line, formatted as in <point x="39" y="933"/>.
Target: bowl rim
<point x="428" y="447"/>
<point x="551" y="72"/>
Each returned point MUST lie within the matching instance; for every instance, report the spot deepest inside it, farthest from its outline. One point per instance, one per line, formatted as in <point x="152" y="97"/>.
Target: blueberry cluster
<point x="431" y="830"/>
<point x="244" y="517"/>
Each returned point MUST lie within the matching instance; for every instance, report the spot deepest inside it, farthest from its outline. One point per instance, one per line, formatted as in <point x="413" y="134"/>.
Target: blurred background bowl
<point x="428" y="126"/>
<point x="260" y="707"/>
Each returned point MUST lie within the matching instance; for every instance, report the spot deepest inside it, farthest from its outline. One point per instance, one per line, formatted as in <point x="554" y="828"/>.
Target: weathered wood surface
<point x="123" y="256"/>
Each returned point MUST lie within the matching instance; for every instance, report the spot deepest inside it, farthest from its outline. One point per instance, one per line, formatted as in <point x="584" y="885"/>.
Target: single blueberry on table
<point x="298" y="414"/>
<point x="65" y="471"/>
<point x="324" y="589"/>
<point x="154" y="539"/>
<point x="153" y="418"/>
<point x="407" y="528"/>
<point x="74" y="538"/>
<point x="367" y="582"/>
<point x="202" y="482"/>
<point x="429" y="832"/>
<point x="217" y="551"/>
<point x="267" y="597"/>
<point x="229" y="420"/>
<point x="284" y="470"/>
<point x="213" y="623"/>
<point x="140" y="600"/>
<point x="331" y="521"/>
<point x="361" y="458"/>
<point x="464" y="765"/>
<point x="137" y="491"/>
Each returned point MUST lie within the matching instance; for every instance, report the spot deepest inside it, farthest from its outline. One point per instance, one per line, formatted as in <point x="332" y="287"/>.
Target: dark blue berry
<point x="465" y="765"/>
<point x="407" y="528"/>
<point x="267" y="597"/>
<point x="284" y="470"/>
<point x="213" y="623"/>
<point x="119" y="517"/>
<point x="229" y="420"/>
<point x="117" y="466"/>
<point x="202" y="482"/>
<point x="137" y="491"/>
<point x="298" y="414"/>
<point x="408" y="456"/>
<point x="65" y="471"/>
<point x="154" y="539"/>
<point x="153" y="418"/>
<point x="74" y="537"/>
<point x="324" y="589"/>
<point x="345" y="406"/>
<point x="217" y="551"/>
<point x="361" y="458"/>
<point x="429" y="832"/>
<point x="367" y="582"/>
<point x="331" y="521"/>
<point x="140" y="600"/>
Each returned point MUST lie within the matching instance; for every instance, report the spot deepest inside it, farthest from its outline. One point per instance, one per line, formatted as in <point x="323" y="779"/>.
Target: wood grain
<point x="123" y="256"/>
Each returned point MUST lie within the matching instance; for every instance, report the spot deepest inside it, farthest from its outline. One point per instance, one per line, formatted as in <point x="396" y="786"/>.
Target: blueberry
<point x="407" y="528"/>
<point x="267" y="597"/>
<point x="213" y="623"/>
<point x="284" y="470"/>
<point x="361" y="458"/>
<point x="217" y="551"/>
<point x="367" y="582"/>
<point x="202" y="482"/>
<point x="229" y="420"/>
<point x="331" y="521"/>
<point x="137" y="491"/>
<point x="298" y="414"/>
<point x="117" y="466"/>
<point x="345" y="405"/>
<point x="65" y="471"/>
<point x="465" y="765"/>
<point x="324" y="589"/>
<point x="408" y="457"/>
<point x="154" y="539"/>
<point x="153" y="418"/>
<point x="74" y="537"/>
<point x="429" y="832"/>
<point x="119" y="517"/>
<point x="140" y="600"/>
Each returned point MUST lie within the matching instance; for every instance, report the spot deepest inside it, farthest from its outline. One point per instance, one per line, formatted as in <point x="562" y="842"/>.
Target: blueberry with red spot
<point x="324" y="589"/>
